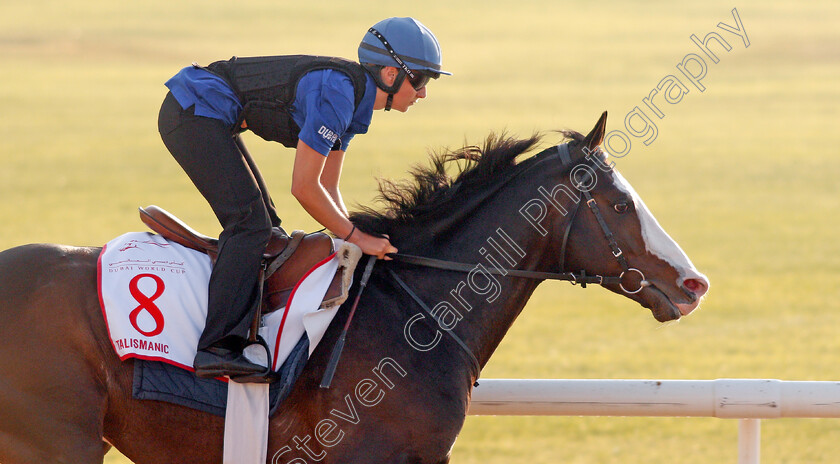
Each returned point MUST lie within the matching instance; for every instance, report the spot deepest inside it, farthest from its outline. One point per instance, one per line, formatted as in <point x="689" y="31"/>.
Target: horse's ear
<point x="596" y="136"/>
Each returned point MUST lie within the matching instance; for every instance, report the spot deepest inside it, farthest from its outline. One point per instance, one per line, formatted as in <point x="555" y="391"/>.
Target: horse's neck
<point x="488" y="304"/>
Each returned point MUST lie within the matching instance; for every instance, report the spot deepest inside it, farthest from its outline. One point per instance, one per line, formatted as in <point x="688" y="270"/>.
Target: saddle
<point x="287" y="258"/>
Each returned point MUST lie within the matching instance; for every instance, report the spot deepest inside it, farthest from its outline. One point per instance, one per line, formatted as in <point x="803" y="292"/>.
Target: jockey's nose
<point x="422" y="92"/>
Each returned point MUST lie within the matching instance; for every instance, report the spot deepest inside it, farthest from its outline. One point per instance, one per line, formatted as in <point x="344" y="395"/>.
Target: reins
<point x="475" y="364"/>
<point x="581" y="277"/>
<point x="575" y="278"/>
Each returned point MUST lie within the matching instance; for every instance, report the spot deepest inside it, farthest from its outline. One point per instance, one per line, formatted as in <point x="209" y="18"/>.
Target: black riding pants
<point x="223" y="171"/>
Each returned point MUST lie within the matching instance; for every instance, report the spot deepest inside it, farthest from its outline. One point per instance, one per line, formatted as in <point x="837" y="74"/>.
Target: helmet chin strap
<point x="375" y="72"/>
<point x="403" y="70"/>
<point x="393" y="89"/>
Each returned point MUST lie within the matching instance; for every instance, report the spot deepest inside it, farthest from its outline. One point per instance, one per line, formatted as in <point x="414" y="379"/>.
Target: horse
<point x="491" y="232"/>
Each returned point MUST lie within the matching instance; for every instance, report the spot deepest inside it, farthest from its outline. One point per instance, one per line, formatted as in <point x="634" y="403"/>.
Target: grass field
<point x="743" y="175"/>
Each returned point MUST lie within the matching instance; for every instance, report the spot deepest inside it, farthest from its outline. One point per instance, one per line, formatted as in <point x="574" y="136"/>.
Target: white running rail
<point x="748" y="400"/>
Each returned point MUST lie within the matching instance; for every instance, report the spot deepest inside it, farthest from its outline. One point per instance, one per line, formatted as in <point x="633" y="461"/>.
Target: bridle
<point x="618" y="254"/>
<point x="582" y="278"/>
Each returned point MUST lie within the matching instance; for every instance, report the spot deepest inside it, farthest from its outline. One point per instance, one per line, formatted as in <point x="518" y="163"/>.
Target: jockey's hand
<point x="371" y="245"/>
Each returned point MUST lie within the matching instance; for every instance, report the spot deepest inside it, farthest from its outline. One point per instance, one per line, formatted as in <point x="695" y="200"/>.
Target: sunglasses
<point x="419" y="80"/>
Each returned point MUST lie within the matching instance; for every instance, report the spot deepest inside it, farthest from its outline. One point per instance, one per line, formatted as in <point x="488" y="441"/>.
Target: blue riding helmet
<point x="412" y="42"/>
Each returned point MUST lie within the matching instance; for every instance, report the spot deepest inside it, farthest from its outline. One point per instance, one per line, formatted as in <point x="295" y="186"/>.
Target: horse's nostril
<point x="696" y="286"/>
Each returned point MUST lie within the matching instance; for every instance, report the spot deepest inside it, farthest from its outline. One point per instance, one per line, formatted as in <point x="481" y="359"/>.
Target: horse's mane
<point x="432" y="192"/>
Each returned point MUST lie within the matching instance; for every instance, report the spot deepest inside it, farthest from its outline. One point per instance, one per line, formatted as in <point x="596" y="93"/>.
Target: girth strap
<point x="296" y="238"/>
<point x="265" y="273"/>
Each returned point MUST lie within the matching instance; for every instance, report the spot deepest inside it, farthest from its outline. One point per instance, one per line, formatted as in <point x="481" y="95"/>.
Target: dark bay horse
<point x="402" y="389"/>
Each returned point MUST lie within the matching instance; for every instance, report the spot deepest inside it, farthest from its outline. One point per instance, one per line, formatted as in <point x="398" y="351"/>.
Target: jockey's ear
<point x="596" y="136"/>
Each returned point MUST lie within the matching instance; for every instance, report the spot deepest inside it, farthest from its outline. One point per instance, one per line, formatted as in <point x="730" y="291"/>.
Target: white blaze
<point x="657" y="241"/>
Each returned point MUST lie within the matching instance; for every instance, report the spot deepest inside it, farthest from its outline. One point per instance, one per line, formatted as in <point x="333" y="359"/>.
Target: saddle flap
<point x="312" y="249"/>
<point x="279" y="288"/>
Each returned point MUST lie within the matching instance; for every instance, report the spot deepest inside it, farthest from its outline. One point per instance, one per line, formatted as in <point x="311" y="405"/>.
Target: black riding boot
<point x="218" y="361"/>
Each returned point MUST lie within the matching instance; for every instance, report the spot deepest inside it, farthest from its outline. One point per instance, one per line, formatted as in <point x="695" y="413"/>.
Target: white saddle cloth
<point x="153" y="295"/>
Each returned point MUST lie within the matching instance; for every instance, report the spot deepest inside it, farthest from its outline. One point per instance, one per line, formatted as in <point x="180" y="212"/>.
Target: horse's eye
<point x="622" y="207"/>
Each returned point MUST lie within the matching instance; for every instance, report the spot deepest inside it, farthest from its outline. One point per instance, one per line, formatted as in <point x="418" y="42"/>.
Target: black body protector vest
<point x="266" y="87"/>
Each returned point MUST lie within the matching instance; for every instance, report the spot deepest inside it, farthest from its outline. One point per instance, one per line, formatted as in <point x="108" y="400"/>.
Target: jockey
<point x="313" y="104"/>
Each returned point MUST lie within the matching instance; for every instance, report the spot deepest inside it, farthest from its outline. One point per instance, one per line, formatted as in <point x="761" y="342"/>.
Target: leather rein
<point x="581" y="277"/>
